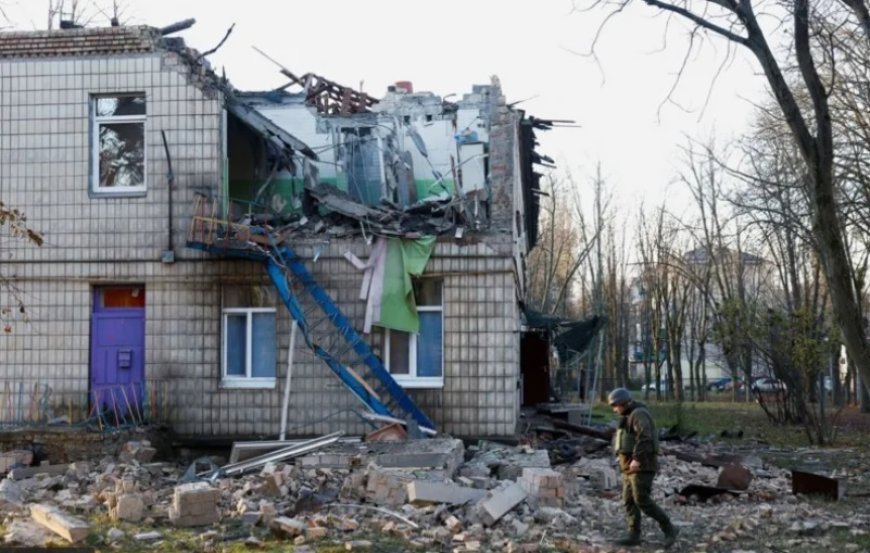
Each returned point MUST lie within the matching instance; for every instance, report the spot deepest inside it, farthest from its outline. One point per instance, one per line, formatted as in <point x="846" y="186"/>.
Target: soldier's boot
<point x="632" y="538"/>
<point x="671" y="533"/>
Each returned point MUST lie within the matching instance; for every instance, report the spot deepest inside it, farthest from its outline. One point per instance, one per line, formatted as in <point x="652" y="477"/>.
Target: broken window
<point x="249" y="347"/>
<point x="417" y="360"/>
<point x="118" y="148"/>
<point x="362" y="165"/>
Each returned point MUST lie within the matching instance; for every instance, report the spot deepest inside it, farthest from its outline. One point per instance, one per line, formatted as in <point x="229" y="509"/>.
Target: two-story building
<point x="115" y="140"/>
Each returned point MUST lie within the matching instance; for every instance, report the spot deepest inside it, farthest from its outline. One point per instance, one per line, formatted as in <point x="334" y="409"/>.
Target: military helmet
<point x="619" y="396"/>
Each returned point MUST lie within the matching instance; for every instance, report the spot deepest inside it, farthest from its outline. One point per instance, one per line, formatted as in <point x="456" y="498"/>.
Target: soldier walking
<point x="636" y="445"/>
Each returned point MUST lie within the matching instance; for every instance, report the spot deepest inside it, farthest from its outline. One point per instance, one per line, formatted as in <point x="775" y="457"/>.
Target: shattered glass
<point x="116" y="106"/>
<point x="122" y="154"/>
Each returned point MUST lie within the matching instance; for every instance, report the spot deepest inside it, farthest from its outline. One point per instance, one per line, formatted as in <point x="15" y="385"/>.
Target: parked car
<point x="767" y="384"/>
<point x="718" y="384"/>
<point x="725" y="384"/>
<point x="663" y="385"/>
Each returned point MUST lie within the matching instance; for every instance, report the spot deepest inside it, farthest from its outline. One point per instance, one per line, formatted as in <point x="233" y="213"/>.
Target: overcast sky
<point x="534" y="46"/>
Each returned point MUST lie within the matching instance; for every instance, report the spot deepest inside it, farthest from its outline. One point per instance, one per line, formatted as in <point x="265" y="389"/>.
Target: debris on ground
<point x="433" y="494"/>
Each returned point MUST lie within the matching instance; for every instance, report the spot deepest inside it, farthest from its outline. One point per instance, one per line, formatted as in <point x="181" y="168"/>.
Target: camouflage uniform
<point x="637" y="439"/>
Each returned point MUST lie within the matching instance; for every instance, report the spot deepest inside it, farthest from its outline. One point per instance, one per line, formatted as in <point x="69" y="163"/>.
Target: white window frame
<point x="411" y="380"/>
<point x="246" y="381"/>
<point x="96" y="122"/>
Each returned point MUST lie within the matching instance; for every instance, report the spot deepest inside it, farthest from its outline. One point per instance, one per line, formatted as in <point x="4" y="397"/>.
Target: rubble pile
<point x="432" y="495"/>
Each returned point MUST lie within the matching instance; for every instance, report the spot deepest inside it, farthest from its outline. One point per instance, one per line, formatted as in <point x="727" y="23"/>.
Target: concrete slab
<point x="434" y="453"/>
<point x="499" y="501"/>
<point x="430" y="491"/>
<point x="66" y="526"/>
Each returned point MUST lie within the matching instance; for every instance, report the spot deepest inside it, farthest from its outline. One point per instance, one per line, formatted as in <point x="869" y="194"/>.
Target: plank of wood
<point x="365" y="384"/>
<point x="585" y="430"/>
<point x="28" y="472"/>
<point x="66" y="526"/>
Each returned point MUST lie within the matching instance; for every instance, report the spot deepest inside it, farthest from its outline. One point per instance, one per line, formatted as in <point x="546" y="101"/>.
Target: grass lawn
<point x="711" y="418"/>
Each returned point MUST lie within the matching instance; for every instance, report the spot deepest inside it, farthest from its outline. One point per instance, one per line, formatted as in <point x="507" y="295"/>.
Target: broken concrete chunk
<point x="10" y="497"/>
<point x="15" y="459"/>
<point x="354" y="485"/>
<point x="544" y="485"/>
<point x="139" y="451"/>
<point x="27" y="533"/>
<point x="250" y="518"/>
<point x="453" y="524"/>
<point x="148" y="536"/>
<point x="348" y="524"/>
<point x="430" y="491"/>
<point x="267" y="512"/>
<point x="194" y="504"/>
<point x="499" y="501"/>
<point x="270" y="485"/>
<point x="128" y="507"/>
<point x="507" y="462"/>
<point x="475" y="470"/>
<point x="28" y="472"/>
<point x="286" y="527"/>
<point x="114" y="535"/>
<point x="316" y="532"/>
<point x="387" y="487"/>
<point x="66" y="526"/>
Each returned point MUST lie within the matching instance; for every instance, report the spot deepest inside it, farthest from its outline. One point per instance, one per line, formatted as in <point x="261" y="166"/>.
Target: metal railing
<point x="35" y="404"/>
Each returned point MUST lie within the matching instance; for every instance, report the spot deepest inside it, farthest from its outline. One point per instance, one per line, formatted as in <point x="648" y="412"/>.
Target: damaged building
<point x="393" y="230"/>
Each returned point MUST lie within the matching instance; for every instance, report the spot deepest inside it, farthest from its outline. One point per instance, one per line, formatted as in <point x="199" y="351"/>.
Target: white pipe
<point x="286" y="405"/>
<point x="384" y="418"/>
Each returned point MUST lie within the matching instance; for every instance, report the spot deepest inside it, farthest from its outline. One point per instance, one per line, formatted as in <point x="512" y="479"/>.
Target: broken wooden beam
<point x="703" y="493"/>
<point x="715" y="461"/>
<point x="585" y="430"/>
<point x="809" y="483"/>
<point x="66" y="526"/>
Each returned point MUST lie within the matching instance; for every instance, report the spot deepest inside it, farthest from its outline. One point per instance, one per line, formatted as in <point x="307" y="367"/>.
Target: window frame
<point x="247" y="381"/>
<point x="411" y="380"/>
<point x="96" y="121"/>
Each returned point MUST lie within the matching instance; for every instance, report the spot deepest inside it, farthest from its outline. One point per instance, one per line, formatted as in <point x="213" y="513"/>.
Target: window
<point x="118" y="145"/>
<point x="249" y="348"/>
<point x="361" y="152"/>
<point x="417" y="360"/>
<point x="120" y="298"/>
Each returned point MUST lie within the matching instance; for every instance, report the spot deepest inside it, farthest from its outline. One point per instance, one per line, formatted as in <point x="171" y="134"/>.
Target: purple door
<point x="118" y="353"/>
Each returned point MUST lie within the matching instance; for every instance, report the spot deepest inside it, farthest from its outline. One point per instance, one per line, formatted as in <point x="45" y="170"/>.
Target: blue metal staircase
<point x="326" y="330"/>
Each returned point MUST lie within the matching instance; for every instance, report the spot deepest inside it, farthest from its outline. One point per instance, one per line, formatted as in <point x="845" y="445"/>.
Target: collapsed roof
<point x="443" y="192"/>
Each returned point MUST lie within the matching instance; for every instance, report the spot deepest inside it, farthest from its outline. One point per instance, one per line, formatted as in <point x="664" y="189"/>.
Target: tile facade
<point x="44" y="171"/>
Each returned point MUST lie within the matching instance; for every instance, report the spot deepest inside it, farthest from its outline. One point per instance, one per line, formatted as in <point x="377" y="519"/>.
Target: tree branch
<point x="698" y="20"/>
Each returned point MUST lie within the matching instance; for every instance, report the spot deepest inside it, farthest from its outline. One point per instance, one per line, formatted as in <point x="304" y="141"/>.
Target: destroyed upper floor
<point x="315" y="156"/>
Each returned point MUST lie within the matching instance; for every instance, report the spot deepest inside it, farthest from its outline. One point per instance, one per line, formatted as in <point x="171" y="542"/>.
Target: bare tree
<point x="83" y="13"/>
<point x="650" y="243"/>
<point x="563" y="247"/>
<point x="730" y="275"/>
<point x="698" y="327"/>
<point x="737" y="22"/>
<point x="617" y="306"/>
<point x="12" y="304"/>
